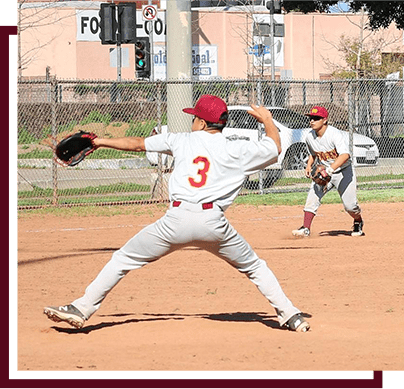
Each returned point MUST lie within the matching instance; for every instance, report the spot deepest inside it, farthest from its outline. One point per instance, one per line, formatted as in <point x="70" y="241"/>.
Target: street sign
<point x="149" y="12"/>
<point x="259" y="50"/>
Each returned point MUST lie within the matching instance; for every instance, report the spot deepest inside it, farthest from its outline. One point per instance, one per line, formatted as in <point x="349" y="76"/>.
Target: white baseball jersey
<point x="210" y="167"/>
<point x="328" y="147"/>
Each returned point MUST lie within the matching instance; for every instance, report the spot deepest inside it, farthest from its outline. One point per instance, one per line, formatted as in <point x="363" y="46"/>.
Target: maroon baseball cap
<point x="209" y="108"/>
<point x="318" y="111"/>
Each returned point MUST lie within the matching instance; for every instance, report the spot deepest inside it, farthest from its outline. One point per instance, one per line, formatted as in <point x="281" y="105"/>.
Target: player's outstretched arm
<point x="126" y="144"/>
<point x="265" y="117"/>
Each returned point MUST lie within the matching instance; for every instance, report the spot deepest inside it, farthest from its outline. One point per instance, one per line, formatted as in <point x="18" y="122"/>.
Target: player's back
<point x="210" y="167"/>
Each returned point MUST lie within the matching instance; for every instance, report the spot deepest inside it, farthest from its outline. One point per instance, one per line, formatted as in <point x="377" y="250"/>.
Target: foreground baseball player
<point x="327" y="146"/>
<point x="208" y="174"/>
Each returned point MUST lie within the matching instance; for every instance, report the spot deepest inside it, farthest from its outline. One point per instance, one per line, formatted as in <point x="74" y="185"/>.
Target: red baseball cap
<point x="318" y="111"/>
<point x="209" y="108"/>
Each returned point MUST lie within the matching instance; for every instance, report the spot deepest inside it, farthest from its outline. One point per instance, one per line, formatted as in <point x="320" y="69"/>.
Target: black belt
<point x="204" y="205"/>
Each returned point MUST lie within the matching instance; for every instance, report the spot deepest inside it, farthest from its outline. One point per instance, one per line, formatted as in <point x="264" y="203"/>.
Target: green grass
<point x="270" y="199"/>
<point x="299" y="198"/>
<point x="117" y="190"/>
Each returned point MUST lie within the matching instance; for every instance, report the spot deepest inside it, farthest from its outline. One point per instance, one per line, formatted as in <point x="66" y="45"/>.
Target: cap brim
<point x="190" y="111"/>
<point x="313" y="114"/>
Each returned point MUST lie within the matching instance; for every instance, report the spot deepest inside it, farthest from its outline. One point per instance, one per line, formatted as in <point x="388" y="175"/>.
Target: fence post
<point x="160" y="177"/>
<point x="351" y="117"/>
<point x="54" y="93"/>
<point x="259" y="126"/>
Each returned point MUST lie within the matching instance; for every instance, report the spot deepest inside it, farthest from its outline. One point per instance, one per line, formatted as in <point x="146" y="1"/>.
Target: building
<point x="62" y="38"/>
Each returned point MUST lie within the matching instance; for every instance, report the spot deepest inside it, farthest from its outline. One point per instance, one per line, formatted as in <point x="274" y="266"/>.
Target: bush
<point x="142" y="129"/>
<point x="24" y="137"/>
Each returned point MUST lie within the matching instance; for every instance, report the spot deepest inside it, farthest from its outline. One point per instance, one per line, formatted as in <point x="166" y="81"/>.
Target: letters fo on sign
<point x="88" y="29"/>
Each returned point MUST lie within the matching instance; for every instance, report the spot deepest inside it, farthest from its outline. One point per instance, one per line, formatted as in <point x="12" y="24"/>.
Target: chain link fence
<point x="369" y="111"/>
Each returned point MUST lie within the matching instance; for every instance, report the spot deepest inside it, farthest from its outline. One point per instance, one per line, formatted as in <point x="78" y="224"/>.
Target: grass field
<point x="276" y="199"/>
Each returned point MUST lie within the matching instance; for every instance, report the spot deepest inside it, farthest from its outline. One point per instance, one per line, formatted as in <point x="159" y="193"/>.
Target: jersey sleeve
<point x="258" y="155"/>
<point x="161" y="143"/>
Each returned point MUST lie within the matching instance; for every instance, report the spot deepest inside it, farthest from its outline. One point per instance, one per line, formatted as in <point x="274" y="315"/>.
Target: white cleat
<point x="302" y="231"/>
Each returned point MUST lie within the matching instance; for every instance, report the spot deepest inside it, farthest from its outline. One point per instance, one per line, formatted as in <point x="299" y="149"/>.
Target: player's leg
<point x="347" y="190"/>
<point x="233" y="248"/>
<point x="313" y="202"/>
<point x="150" y="244"/>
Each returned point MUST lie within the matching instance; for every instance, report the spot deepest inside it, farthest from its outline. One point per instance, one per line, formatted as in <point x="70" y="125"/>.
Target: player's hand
<point x="260" y="113"/>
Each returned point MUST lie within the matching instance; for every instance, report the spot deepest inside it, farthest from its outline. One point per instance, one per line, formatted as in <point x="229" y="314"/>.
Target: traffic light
<point x="127" y="22"/>
<point x="274" y="6"/>
<point x="142" y="56"/>
<point x="108" y="24"/>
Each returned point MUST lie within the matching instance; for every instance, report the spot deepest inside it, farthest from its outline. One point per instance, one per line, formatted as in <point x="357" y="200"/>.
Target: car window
<point x="290" y="119"/>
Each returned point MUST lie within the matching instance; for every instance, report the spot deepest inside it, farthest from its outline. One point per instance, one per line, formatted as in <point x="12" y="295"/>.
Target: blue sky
<point x="343" y="6"/>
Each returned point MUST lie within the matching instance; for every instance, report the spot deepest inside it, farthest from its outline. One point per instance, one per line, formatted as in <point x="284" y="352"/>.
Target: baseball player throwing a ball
<point x="208" y="174"/>
<point x="328" y="149"/>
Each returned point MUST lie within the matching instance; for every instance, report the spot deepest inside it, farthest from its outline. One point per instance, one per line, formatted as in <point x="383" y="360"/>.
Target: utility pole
<point x="179" y="65"/>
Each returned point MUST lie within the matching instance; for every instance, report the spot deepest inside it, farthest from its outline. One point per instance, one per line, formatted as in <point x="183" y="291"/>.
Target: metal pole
<point x="53" y="85"/>
<point x="271" y="16"/>
<point x="118" y="57"/>
<point x="151" y="58"/>
<point x="119" y="61"/>
<point x="272" y="21"/>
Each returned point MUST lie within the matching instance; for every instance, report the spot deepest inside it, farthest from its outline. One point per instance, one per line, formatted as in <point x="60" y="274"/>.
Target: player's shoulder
<point x="333" y="131"/>
<point x="235" y="137"/>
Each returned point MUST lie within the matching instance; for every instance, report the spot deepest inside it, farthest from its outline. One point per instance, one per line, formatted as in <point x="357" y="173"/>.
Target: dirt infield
<point x="192" y="311"/>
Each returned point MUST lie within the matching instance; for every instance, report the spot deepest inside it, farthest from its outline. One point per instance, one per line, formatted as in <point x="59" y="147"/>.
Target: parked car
<point x="293" y="128"/>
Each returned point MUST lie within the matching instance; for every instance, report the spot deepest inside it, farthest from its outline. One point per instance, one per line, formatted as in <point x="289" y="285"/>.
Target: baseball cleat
<point x="297" y="323"/>
<point x="302" y="231"/>
<point x="68" y="313"/>
<point x="357" y="229"/>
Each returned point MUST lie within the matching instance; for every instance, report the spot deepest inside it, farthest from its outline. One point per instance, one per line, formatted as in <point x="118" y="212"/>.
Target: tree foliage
<point x="366" y="61"/>
<point x="381" y="13"/>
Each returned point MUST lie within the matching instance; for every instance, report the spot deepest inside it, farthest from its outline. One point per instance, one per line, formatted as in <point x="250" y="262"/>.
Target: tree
<point x="363" y="54"/>
<point x="380" y="13"/>
<point x="31" y="18"/>
<point x="366" y="61"/>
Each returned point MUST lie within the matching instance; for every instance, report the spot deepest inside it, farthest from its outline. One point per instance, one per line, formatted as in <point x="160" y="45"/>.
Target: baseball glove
<point x="74" y="148"/>
<point x="319" y="175"/>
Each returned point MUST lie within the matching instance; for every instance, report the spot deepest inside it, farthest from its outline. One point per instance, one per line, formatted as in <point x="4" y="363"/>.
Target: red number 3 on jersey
<point x="201" y="172"/>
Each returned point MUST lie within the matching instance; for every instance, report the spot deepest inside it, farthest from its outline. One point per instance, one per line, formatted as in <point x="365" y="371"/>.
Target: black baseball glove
<point x="74" y="148"/>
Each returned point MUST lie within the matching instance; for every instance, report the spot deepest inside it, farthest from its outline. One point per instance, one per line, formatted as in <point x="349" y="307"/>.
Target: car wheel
<point x="296" y="157"/>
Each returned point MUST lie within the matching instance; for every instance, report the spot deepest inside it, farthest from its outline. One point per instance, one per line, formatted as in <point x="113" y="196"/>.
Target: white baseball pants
<point x="187" y="225"/>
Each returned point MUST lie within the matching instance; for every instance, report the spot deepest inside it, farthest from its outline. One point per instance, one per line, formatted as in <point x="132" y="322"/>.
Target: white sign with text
<point x="88" y="29"/>
<point x="204" y="62"/>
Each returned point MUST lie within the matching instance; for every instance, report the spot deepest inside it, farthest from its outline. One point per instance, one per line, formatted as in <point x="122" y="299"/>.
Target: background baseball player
<point x="327" y="146"/>
<point x="208" y="174"/>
